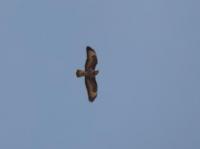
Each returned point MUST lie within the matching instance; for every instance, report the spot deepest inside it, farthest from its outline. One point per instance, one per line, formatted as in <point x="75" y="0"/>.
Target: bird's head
<point x="96" y="72"/>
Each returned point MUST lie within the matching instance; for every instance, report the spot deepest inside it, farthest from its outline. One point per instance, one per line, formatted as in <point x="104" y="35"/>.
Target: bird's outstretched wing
<point x="91" y="61"/>
<point x="91" y="86"/>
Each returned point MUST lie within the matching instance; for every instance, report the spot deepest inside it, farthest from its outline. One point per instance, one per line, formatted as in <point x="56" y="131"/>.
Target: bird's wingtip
<point x="88" y="48"/>
<point x="91" y="99"/>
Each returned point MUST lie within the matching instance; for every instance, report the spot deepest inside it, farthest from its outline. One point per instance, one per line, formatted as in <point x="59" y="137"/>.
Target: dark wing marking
<point x="91" y="86"/>
<point x="91" y="61"/>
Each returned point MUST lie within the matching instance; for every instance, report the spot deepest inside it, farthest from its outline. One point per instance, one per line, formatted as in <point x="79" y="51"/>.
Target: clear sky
<point x="149" y="80"/>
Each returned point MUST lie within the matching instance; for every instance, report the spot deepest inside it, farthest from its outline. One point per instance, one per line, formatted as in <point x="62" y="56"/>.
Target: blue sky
<point x="149" y="78"/>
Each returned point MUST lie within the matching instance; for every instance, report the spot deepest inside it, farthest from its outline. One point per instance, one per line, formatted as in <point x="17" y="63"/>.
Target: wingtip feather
<point x="88" y="48"/>
<point x="91" y="99"/>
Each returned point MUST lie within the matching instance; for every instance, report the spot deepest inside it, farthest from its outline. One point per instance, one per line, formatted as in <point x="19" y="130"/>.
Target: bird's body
<point x="90" y="74"/>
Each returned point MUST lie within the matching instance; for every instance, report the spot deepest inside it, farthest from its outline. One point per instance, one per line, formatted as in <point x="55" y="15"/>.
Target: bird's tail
<point x="80" y="73"/>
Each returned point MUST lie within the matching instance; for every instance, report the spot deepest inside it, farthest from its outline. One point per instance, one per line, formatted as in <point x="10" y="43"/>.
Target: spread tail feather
<point x="80" y="73"/>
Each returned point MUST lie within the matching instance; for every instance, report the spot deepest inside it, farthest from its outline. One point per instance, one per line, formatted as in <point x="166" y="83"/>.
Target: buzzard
<point x="90" y="73"/>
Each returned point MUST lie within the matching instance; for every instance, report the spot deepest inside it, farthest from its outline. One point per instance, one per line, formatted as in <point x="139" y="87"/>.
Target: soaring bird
<point x="90" y="73"/>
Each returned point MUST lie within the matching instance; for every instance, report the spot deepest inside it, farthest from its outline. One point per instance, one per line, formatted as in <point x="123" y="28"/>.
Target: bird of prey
<point x="90" y="73"/>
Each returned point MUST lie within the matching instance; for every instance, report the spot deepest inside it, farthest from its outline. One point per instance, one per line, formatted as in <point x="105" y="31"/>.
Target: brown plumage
<point x="90" y="74"/>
